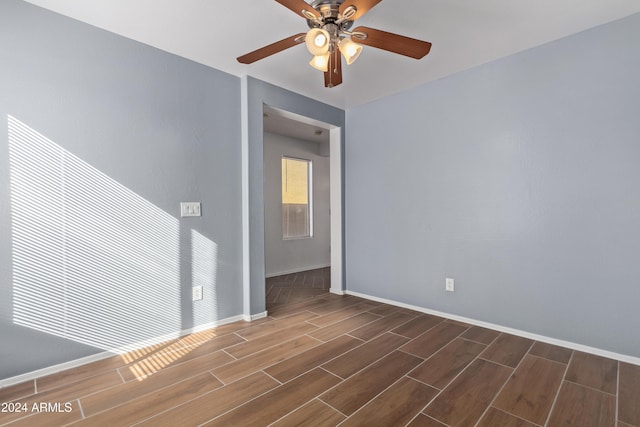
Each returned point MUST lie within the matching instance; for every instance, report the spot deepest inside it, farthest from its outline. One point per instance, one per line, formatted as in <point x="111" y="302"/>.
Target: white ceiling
<point x="464" y="33"/>
<point x="294" y="126"/>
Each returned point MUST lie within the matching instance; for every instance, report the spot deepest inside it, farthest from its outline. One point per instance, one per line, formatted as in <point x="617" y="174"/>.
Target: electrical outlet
<point x="190" y="209"/>
<point x="196" y="293"/>
<point x="448" y="284"/>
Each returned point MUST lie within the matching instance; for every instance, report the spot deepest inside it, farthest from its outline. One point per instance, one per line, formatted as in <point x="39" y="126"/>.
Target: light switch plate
<point x="190" y="209"/>
<point x="449" y="284"/>
<point x="196" y="293"/>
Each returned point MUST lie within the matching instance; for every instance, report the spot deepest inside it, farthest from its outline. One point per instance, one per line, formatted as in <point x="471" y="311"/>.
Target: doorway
<point x="308" y="266"/>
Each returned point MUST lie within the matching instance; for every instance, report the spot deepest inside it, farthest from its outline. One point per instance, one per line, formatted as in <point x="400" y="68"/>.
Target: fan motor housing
<point x="329" y="9"/>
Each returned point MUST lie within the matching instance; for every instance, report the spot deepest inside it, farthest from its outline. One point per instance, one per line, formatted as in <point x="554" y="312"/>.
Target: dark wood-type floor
<point x="297" y="287"/>
<point x="322" y="360"/>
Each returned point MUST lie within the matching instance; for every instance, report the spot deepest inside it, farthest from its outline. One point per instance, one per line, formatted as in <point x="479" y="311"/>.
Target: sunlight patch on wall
<point x="92" y="261"/>
<point x="204" y="270"/>
<point x="204" y="264"/>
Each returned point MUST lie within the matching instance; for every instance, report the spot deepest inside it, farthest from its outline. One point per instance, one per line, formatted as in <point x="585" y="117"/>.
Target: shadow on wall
<point x="93" y="261"/>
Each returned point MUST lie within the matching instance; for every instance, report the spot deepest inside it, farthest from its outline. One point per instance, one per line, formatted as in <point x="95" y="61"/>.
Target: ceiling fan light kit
<point x="329" y="36"/>
<point x="320" y="62"/>
<point x="318" y="41"/>
<point x="349" y="50"/>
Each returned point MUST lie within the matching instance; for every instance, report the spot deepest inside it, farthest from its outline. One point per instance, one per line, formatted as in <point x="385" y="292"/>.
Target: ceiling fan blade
<point x="391" y="42"/>
<point x="269" y="50"/>
<point x="298" y="6"/>
<point x="362" y="7"/>
<point x="333" y="76"/>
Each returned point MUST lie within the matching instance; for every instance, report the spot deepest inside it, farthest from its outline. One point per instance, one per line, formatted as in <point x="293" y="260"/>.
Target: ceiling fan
<point x="330" y="35"/>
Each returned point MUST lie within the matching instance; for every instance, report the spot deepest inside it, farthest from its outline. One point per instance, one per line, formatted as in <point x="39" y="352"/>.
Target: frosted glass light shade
<point x="320" y="62"/>
<point x="349" y="50"/>
<point x="317" y="41"/>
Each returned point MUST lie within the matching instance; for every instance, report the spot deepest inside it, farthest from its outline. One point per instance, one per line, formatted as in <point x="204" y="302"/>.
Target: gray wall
<point x="291" y="255"/>
<point x="124" y="133"/>
<point x="519" y="179"/>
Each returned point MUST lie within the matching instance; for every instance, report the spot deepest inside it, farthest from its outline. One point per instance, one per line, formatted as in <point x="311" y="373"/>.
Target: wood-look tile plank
<point x="141" y="353"/>
<point x="46" y="416"/>
<point x="275" y="325"/>
<point x="551" y="352"/>
<point x="384" y="309"/>
<point x="215" y="403"/>
<point x="69" y="376"/>
<point x="532" y="388"/>
<point x="507" y="350"/>
<point x="148" y="405"/>
<point x="230" y="328"/>
<point x="337" y="304"/>
<point x="315" y="413"/>
<point x="417" y="326"/>
<point x="496" y="418"/>
<point x="341" y="314"/>
<point x="155" y="361"/>
<point x="464" y="401"/>
<point x="396" y="406"/>
<point x="278" y="402"/>
<point x="303" y="362"/>
<point x="205" y="337"/>
<point x="204" y="348"/>
<point x="14" y="415"/>
<point x="81" y="388"/>
<point x="304" y="294"/>
<point x="255" y="362"/>
<point x="583" y="406"/>
<point x="320" y="305"/>
<point x="621" y="424"/>
<point x="629" y="394"/>
<point x="357" y="359"/>
<point x="356" y="391"/>
<point x="332" y="331"/>
<point x="336" y="297"/>
<point x="271" y="295"/>
<point x="442" y="367"/>
<point x="458" y="322"/>
<point x="481" y="335"/>
<point x="593" y="371"/>
<point x="289" y="309"/>
<point x="283" y="295"/>
<point x="433" y="340"/>
<point x="69" y="392"/>
<point x="424" y="421"/>
<point x="13" y="392"/>
<point x="249" y="347"/>
<point x="410" y="312"/>
<point x="122" y="393"/>
<point x="380" y="326"/>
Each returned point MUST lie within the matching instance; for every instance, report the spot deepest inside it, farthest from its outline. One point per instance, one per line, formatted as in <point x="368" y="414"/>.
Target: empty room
<point x="319" y="213"/>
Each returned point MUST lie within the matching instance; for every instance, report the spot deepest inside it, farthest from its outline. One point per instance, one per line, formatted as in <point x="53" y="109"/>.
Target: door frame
<point x="254" y="95"/>
<point x="335" y="191"/>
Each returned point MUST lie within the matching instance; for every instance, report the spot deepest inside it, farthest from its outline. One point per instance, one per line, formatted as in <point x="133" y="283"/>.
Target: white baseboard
<point x="121" y="350"/>
<point x="337" y="291"/>
<point x="29" y="376"/>
<point x="568" y="344"/>
<point x="297" y="270"/>
<point x="252" y="317"/>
